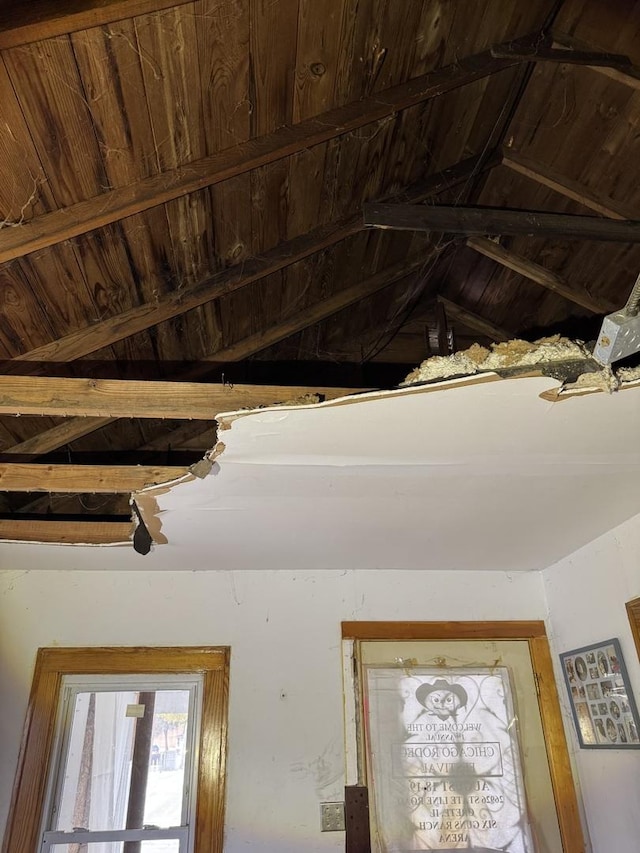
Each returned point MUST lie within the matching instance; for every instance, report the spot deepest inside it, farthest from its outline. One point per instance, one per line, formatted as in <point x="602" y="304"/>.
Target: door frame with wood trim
<point x="534" y="633"/>
<point x="633" y="612"/>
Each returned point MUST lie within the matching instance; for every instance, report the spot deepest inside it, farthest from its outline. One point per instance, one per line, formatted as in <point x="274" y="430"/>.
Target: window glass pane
<point x="165" y="846"/>
<point x="125" y="761"/>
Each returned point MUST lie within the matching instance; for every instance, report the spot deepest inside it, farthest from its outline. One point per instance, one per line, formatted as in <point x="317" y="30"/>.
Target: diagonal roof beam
<point x="78" y="427"/>
<point x="535" y="272"/>
<point x="549" y="177"/>
<point x="628" y="75"/>
<point x="474" y="321"/>
<point x="68" y="222"/>
<point x="92" y="338"/>
<point x="57" y="436"/>
<point x="321" y="310"/>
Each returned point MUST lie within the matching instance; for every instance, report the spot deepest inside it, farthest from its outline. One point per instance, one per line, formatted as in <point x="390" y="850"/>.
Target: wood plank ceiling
<point x="181" y="194"/>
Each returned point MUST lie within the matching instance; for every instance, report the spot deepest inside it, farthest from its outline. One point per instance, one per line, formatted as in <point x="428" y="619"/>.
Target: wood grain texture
<point x="473" y="220"/>
<point x="548" y="177"/>
<point x="535" y="272"/>
<point x="78" y="218"/>
<point x="21" y="23"/>
<point x="557" y="751"/>
<point x="83" y="479"/>
<point x="23" y="317"/>
<point x="442" y="630"/>
<point x="137" y="319"/>
<point x="45" y="78"/>
<point x="58" y="436"/>
<point x="24" y="191"/>
<point x="317" y="312"/>
<point x="633" y="612"/>
<point x="143" y="399"/>
<point x="273" y="41"/>
<point x="35" y="753"/>
<point x="66" y="532"/>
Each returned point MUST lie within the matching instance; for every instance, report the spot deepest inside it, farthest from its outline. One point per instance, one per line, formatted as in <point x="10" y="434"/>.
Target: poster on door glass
<point x="444" y="760"/>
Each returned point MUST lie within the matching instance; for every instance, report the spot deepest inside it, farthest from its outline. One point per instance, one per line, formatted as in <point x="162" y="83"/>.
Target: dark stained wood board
<point x="607" y="270"/>
<point x="45" y="78"/>
<point x="171" y="73"/>
<point x="23" y="319"/>
<point x="273" y="45"/>
<point x="583" y="124"/>
<point x="24" y="191"/>
<point x="612" y="26"/>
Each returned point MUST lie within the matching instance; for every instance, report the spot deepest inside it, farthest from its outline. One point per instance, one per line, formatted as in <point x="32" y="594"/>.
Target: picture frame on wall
<point x="600" y="696"/>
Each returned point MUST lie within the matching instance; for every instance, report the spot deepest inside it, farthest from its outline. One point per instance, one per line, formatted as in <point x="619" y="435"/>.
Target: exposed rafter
<point x="474" y="321"/>
<point x="87" y="479"/>
<point x="51" y="228"/>
<point x="548" y="177"/>
<point x="57" y="436"/>
<point x="22" y="23"/>
<point x="116" y="328"/>
<point x="628" y="75"/>
<point x="535" y="272"/>
<point x="120" y="398"/>
<point x="89" y="532"/>
<point x="547" y="53"/>
<point x="95" y="337"/>
<point x="321" y="310"/>
<point x="493" y="220"/>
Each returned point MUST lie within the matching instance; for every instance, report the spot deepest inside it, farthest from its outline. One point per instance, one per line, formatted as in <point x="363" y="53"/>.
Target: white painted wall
<point x="586" y="595"/>
<point x="286" y="729"/>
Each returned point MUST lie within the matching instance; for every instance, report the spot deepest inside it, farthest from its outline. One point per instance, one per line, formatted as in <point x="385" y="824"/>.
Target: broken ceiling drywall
<point x="469" y="472"/>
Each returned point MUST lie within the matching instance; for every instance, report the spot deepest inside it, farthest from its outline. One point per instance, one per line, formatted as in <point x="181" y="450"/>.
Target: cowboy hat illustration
<point x="441" y="698"/>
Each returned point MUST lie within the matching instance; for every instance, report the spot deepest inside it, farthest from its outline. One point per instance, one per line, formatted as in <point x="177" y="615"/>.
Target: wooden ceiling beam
<point x="66" y="223"/>
<point x="184" y="433"/>
<point x="547" y="53"/>
<point x="628" y="75"/>
<point x="320" y="311"/>
<point x="541" y="275"/>
<point x="473" y="221"/>
<point x="142" y="317"/>
<point x="84" y="479"/>
<point x="548" y="177"/>
<point x="23" y="23"/>
<point x="121" y="398"/>
<point x="58" y="436"/>
<point x="66" y="532"/>
<point x="474" y="321"/>
<point x="75" y="428"/>
<point x="92" y="338"/>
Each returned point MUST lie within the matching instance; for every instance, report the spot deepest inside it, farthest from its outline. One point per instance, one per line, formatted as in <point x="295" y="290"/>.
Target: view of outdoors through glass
<point x="125" y="767"/>
<point x="118" y="847"/>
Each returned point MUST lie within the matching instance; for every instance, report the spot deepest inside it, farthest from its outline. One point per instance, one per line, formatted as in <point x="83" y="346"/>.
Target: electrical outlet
<point x="332" y="817"/>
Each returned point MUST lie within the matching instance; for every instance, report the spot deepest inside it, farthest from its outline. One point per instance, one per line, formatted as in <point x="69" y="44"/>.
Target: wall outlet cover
<point x="332" y="817"/>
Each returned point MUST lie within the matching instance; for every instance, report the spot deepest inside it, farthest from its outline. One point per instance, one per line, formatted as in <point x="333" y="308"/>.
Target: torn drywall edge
<point x="146" y="505"/>
<point x="591" y="383"/>
<point x="148" y="509"/>
<point x="145" y="502"/>
<point x="225" y="419"/>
